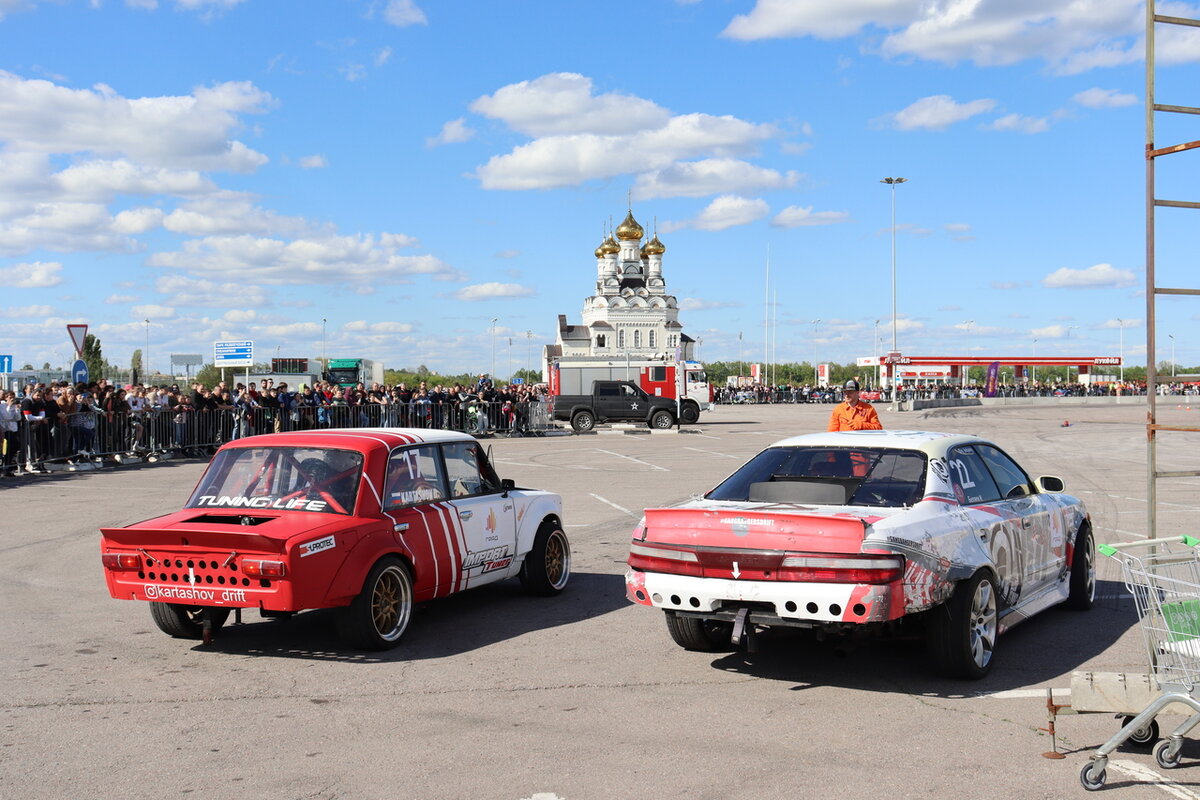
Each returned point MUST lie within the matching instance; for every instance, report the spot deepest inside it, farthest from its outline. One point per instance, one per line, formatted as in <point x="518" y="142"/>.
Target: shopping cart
<point x="1164" y="578"/>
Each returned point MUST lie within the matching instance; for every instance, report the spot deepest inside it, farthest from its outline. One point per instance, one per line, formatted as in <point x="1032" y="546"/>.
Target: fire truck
<point x="656" y="377"/>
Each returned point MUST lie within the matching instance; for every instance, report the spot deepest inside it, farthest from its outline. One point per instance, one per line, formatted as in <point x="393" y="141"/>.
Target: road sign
<point x="233" y="354"/>
<point x="79" y="372"/>
<point x="78" y="334"/>
<point x="518" y="381"/>
<point x="6" y="364"/>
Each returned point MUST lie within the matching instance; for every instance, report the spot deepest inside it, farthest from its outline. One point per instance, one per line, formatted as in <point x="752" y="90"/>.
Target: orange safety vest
<point x="859" y="417"/>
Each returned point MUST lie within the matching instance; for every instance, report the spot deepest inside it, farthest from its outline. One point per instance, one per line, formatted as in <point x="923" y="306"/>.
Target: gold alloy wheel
<point x="391" y="603"/>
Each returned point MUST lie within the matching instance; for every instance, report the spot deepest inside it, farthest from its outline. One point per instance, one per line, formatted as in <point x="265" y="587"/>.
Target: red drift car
<point x="367" y="521"/>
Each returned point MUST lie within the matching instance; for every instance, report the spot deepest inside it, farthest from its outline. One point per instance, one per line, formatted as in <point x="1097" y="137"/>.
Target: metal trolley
<point x="1164" y="577"/>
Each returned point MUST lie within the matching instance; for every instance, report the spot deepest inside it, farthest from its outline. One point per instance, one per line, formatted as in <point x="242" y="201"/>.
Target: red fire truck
<point x="656" y="377"/>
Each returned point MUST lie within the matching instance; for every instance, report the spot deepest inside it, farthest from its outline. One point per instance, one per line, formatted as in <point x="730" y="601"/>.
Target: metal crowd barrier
<point x="96" y="437"/>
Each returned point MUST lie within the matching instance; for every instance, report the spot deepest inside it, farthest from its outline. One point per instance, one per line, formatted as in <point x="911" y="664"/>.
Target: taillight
<point x="841" y="569"/>
<point x="121" y="561"/>
<point x="261" y="568"/>
<point x="664" y="559"/>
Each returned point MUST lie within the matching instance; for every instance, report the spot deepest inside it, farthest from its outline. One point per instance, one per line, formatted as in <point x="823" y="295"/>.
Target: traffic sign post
<point x="79" y="372"/>
<point x="6" y="363"/>
<point x="233" y="354"/>
<point x="78" y="334"/>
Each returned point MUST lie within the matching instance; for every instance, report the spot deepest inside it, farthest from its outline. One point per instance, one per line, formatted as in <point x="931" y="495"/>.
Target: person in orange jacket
<point x="853" y="414"/>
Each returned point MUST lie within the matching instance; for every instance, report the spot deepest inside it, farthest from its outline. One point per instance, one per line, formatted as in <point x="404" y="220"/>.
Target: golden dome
<point x="654" y="247"/>
<point x="610" y="246"/>
<point x="600" y="251"/>
<point x="629" y="229"/>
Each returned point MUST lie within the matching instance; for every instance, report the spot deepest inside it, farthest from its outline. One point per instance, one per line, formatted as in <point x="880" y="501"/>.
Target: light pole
<point x="1171" y="336"/>
<point x="1034" y="366"/>
<point x="528" y="347"/>
<point x="893" y="182"/>
<point x="1069" y="329"/>
<point x="815" y="323"/>
<point x="1121" y="351"/>
<point x="492" y="374"/>
<point x="324" y="357"/>
<point x="739" y="355"/>
<point x="968" y="323"/>
<point x="878" y="366"/>
<point x="146" y="360"/>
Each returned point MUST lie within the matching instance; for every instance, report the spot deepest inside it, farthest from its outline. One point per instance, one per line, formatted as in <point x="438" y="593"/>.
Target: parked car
<point x="367" y="521"/>
<point x="868" y="531"/>
<point x="614" y="401"/>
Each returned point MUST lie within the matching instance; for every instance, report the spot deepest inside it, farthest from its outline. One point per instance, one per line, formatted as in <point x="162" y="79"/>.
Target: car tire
<point x="582" y="421"/>
<point x="1082" y="593"/>
<point x="547" y="566"/>
<point x="700" y="635"/>
<point x="378" y="617"/>
<point x="186" y="622"/>
<point x="690" y="413"/>
<point x="661" y="420"/>
<point x="962" y="631"/>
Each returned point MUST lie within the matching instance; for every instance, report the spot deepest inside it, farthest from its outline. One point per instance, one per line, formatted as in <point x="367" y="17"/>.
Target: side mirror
<point x="507" y="485"/>
<point x="1049" y="483"/>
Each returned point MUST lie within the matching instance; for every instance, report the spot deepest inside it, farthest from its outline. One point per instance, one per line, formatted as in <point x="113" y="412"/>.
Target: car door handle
<point x="401" y="528"/>
<point x="466" y="514"/>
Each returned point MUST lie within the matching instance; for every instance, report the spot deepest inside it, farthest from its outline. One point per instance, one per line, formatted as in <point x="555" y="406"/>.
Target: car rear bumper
<point x="789" y="601"/>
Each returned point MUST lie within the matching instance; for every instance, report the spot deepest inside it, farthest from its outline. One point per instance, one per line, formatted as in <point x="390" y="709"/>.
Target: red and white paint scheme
<point x="837" y="531"/>
<point x="367" y="520"/>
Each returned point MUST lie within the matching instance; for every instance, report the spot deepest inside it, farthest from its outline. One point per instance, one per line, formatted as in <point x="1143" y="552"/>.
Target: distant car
<point x="368" y="521"/>
<point x="868" y="531"/>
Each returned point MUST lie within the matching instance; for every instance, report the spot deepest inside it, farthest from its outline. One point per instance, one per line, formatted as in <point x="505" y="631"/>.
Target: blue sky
<point x="409" y="171"/>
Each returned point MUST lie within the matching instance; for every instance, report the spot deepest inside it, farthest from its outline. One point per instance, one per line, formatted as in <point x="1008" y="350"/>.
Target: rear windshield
<point x="828" y="476"/>
<point x="281" y="478"/>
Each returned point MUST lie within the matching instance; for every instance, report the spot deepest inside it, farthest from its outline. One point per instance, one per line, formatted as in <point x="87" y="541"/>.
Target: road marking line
<point x="710" y="452"/>
<point x="1146" y="775"/>
<point x="631" y="458"/>
<point x="617" y="507"/>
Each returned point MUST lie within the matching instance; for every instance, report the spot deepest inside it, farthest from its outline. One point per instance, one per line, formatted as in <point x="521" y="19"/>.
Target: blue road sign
<point x="79" y="372"/>
<point x="518" y="381"/>
<point x="6" y="364"/>
<point x="233" y="354"/>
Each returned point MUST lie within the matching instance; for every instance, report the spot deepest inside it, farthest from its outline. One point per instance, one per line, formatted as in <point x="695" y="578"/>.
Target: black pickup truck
<point x="614" y="401"/>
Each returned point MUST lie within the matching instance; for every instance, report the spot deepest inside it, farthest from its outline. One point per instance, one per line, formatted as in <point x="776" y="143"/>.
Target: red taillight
<point x="121" y="561"/>
<point x="841" y="569"/>
<point x="664" y="559"/>
<point x="261" y="568"/>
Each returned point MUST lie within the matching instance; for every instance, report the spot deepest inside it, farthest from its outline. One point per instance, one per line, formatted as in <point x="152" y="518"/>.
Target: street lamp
<point x="878" y="367"/>
<point x="1034" y="366"/>
<point x="1069" y="329"/>
<point x="146" y="360"/>
<point x="893" y="182"/>
<point x="1171" y="336"/>
<point x="815" y="323"/>
<point x="528" y="347"/>
<point x="967" y="372"/>
<point x="1121" y="352"/>
<point x="324" y="357"/>
<point x="492" y="374"/>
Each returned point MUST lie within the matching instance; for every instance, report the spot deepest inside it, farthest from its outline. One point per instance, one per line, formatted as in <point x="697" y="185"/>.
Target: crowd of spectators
<point x="64" y="423"/>
<point x="791" y="393"/>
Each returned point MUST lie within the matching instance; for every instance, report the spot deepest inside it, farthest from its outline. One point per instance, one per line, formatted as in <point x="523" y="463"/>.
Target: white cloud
<point x="382" y="56"/>
<point x="803" y="216"/>
<point x="153" y="310"/>
<point x="353" y="72"/>
<point x="493" y="291"/>
<point x="1070" y="35"/>
<point x="137" y="220"/>
<point x="360" y="259"/>
<point x="957" y="227"/>
<point x="586" y="137"/>
<point x="508" y="254"/>
<point x="363" y="326"/>
<point x="315" y="161"/>
<point x="233" y="213"/>
<point x="454" y="131"/>
<point x="709" y="176"/>
<point x="1019" y="124"/>
<point x="1051" y="332"/>
<point x="1104" y="98"/>
<point x="724" y="212"/>
<point x="189" y="132"/>
<point x="34" y="275"/>
<point x="180" y="290"/>
<point x="1121" y="323"/>
<point x="121" y="299"/>
<point x="696" y="304"/>
<point x="562" y="103"/>
<point x="26" y="312"/>
<point x="937" y="112"/>
<point x="403" y="13"/>
<point x="1094" y="277"/>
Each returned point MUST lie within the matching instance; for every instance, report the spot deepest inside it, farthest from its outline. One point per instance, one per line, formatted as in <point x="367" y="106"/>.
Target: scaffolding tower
<point x="1153" y="290"/>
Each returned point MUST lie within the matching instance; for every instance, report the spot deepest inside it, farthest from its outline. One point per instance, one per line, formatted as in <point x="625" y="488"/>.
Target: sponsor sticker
<point x="317" y="546"/>
<point x="294" y="504"/>
<point x="154" y="591"/>
<point x="489" y="556"/>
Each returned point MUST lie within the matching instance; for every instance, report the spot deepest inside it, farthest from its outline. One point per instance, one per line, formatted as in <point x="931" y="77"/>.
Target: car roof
<point x="930" y="442"/>
<point x="363" y="439"/>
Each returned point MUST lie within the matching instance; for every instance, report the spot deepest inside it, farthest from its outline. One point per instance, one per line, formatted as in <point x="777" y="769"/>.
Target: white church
<point x="630" y="315"/>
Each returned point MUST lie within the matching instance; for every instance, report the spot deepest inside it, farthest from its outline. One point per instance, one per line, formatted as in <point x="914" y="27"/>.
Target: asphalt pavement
<point x="494" y="694"/>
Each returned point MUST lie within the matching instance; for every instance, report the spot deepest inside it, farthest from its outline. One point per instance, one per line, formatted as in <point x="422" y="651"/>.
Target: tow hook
<point x="743" y="631"/>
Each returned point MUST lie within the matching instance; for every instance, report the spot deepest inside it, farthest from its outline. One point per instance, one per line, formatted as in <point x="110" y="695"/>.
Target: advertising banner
<point x="993" y="376"/>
